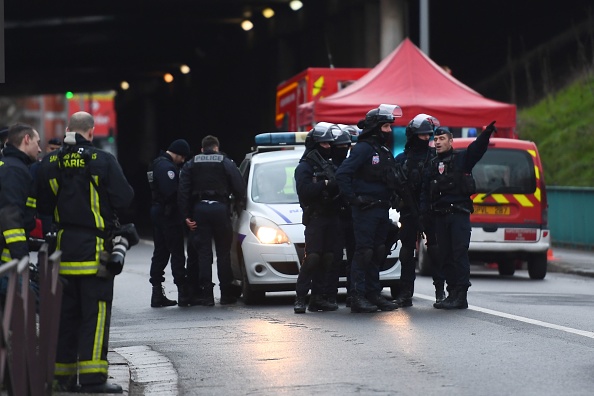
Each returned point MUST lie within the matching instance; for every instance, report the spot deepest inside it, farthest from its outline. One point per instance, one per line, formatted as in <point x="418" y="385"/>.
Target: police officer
<point x="415" y="160"/>
<point x="447" y="188"/>
<point x="83" y="187"/>
<point x="168" y="224"/>
<point x="362" y="179"/>
<point x="17" y="192"/>
<point x="345" y="235"/>
<point x="317" y="190"/>
<point x="206" y="182"/>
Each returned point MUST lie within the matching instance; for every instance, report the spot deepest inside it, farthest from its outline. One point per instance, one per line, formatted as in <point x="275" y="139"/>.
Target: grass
<point x="562" y="126"/>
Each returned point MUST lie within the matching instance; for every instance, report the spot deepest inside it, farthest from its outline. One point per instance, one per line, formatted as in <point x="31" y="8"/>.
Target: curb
<point x="567" y="268"/>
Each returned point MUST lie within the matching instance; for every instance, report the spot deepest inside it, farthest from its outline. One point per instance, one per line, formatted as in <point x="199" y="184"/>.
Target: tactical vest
<point x="373" y="173"/>
<point x="448" y="179"/>
<point x="326" y="200"/>
<point x="209" y="179"/>
<point x="155" y="195"/>
<point x="414" y="168"/>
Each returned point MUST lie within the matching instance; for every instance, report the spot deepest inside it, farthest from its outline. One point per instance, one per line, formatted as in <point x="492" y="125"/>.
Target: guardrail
<point x="571" y="215"/>
<point x="29" y="329"/>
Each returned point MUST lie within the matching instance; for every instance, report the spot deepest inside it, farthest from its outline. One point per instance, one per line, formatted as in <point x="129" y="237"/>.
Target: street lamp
<point x="247" y="25"/>
<point x="295" y="5"/>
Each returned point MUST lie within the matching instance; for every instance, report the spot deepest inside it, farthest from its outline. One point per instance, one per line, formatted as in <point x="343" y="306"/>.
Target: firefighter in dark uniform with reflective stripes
<point x="363" y="180"/>
<point x="317" y="191"/>
<point x="17" y="198"/>
<point x="415" y="161"/>
<point x="447" y="187"/>
<point x="206" y="182"/>
<point x="168" y="225"/>
<point x="83" y="187"/>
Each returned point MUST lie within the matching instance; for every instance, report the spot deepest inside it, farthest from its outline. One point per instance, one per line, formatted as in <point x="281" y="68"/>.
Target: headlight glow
<point x="267" y="231"/>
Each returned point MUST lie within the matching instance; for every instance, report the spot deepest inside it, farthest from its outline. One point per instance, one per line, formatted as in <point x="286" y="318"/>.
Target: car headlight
<point x="267" y="231"/>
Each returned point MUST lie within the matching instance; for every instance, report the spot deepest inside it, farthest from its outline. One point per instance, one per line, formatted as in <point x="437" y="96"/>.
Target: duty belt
<point x="451" y="208"/>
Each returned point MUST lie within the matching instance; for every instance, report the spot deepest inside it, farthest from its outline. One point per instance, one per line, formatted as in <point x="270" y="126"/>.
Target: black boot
<point x="158" y="298"/>
<point x="319" y="303"/>
<point x="404" y="298"/>
<point x="184" y="295"/>
<point x="460" y="301"/>
<point x="299" y="306"/>
<point x="452" y="291"/>
<point x="331" y="298"/>
<point x="361" y="304"/>
<point x="208" y="296"/>
<point x="439" y="293"/>
<point x="99" y="388"/>
<point x="382" y="303"/>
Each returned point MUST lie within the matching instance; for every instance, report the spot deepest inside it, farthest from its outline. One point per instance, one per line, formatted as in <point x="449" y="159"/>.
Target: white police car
<point x="269" y="243"/>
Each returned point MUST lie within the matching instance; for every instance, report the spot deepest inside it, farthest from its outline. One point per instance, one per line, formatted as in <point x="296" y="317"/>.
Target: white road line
<point x="584" y="333"/>
<point x="151" y="370"/>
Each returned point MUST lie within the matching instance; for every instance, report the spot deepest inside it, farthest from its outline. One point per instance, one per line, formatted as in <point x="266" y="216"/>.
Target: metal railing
<point x="571" y="215"/>
<point x="29" y="328"/>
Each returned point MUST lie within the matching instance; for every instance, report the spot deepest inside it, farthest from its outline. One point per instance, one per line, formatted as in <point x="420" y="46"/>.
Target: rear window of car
<point x="274" y="182"/>
<point x="505" y="171"/>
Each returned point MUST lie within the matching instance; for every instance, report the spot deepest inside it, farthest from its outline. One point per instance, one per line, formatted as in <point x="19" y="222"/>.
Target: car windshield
<point x="505" y="171"/>
<point x="274" y="182"/>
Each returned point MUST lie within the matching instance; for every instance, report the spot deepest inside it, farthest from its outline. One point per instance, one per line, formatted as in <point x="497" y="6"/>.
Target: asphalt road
<point x="518" y="337"/>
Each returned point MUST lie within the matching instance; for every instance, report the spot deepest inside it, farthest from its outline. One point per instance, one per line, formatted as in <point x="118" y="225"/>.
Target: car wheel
<point x="250" y="296"/>
<point x="423" y="259"/>
<point x="537" y="265"/>
<point x="507" y="267"/>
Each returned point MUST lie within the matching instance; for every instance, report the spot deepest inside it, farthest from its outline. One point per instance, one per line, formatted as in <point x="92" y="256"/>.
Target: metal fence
<point x="29" y="329"/>
<point x="571" y="216"/>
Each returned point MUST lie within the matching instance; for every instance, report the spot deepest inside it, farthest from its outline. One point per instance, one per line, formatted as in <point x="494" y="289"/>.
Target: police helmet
<point x="342" y="136"/>
<point x="422" y="124"/>
<point x="384" y="114"/>
<point x="321" y="132"/>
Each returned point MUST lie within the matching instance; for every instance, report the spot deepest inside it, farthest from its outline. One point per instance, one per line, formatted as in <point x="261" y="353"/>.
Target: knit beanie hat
<point x="180" y="146"/>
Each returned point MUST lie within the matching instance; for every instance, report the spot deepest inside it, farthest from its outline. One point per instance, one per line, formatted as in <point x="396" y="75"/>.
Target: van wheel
<point x="537" y="265"/>
<point x="423" y="259"/>
<point x="250" y="297"/>
<point x="507" y="267"/>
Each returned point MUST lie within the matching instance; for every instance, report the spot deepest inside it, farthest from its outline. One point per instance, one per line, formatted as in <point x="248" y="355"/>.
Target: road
<point x="519" y="336"/>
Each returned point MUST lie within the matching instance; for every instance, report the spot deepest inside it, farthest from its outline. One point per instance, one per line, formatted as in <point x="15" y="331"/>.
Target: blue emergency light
<point x="280" y="138"/>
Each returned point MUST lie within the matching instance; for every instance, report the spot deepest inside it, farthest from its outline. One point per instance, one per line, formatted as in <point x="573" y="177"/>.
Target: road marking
<point x="588" y="334"/>
<point x="151" y="370"/>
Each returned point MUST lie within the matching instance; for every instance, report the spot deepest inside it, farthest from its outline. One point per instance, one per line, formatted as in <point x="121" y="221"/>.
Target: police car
<point x="269" y="242"/>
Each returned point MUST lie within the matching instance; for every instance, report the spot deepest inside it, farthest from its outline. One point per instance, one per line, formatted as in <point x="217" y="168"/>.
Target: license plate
<point x="503" y="210"/>
<point x="520" y="234"/>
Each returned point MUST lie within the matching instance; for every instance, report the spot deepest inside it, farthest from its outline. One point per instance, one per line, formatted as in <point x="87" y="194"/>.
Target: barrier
<point x="29" y="331"/>
<point x="571" y="215"/>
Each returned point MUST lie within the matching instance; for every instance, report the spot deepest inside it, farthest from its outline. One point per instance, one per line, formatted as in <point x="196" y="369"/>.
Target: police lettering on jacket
<point x="209" y="179"/>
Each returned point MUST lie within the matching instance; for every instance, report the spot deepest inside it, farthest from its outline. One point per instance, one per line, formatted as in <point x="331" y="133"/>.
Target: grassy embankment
<point x="562" y="126"/>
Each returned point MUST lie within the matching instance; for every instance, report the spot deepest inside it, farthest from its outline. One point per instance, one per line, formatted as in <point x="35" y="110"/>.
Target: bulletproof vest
<point x="373" y="173"/>
<point x="155" y="196"/>
<point x="447" y="178"/>
<point x="327" y="200"/>
<point x="414" y="167"/>
<point x="209" y="179"/>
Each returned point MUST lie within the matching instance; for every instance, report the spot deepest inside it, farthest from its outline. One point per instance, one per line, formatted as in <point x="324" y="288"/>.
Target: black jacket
<point x="83" y="187"/>
<point x="17" y="203"/>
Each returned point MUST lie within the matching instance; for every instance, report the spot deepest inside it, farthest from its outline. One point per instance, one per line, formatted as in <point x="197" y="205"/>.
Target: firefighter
<point x="83" y="187"/>
<point x="17" y="202"/>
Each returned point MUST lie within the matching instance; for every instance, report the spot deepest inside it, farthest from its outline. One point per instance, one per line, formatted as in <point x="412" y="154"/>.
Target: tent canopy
<point x="410" y="79"/>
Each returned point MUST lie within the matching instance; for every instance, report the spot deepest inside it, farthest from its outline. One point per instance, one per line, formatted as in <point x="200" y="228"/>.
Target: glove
<point x="491" y="128"/>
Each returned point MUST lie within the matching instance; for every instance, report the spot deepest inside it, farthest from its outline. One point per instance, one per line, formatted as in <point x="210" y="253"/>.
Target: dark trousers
<point x="169" y="243"/>
<point x="345" y="240"/>
<point x="192" y="264"/>
<point x="453" y="237"/>
<point x="320" y="242"/>
<point x="84" y="329"/>
<point x="371" y="230"/>
<point x="213" y="222"/>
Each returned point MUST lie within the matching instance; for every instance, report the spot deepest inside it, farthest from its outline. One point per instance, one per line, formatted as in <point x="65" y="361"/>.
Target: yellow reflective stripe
<point x="31" y="202"/>
<point x="79" y="267"/>
<point x="54" y="186"/>
<point x="532" y="153"/>
<point x="92" y="366"/>
<point x="15" y="235"/>
<point x="99" y="330"/>
<point x="537" y="194"/>
<point x="537" y="172"/>
<point x="65" y="368"/>
<point x="523" y="200"/>
<point x="95" y="207"/>
<point x="6" y="255"/>
<point x="500" y="198"/>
